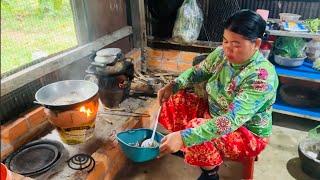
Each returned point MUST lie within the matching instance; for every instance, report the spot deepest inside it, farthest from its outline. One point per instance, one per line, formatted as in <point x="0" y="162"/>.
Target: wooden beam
<point x="36" y="71"/>
<point x="138" y="23"/>
<point x="197" y="46"/>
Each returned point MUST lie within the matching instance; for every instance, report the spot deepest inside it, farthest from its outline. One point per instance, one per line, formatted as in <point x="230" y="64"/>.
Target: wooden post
<point x="139" y="29"/>
<point x="80" y="15"/>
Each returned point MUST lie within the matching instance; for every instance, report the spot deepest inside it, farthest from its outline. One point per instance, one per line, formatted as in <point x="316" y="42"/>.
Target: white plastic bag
<point x="313" y="49"/>
<point x="188" y="23"/>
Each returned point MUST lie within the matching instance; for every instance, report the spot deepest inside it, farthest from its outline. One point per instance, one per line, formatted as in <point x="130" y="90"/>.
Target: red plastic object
<point x="5" y="173"/>
<point x="248" y="167"/>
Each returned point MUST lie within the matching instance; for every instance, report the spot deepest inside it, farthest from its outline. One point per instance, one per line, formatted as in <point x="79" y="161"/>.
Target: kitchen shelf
<point x="284" y="108"/>
<point x="293" y="34"/>
<point x="304" y="72"/>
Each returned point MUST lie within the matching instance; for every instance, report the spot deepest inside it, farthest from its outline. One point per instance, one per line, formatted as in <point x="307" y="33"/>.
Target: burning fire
<point x="86" y="111"/>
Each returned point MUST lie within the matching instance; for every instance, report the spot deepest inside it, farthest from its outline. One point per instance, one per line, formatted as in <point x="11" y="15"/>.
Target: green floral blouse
<point x="238" y="95"/>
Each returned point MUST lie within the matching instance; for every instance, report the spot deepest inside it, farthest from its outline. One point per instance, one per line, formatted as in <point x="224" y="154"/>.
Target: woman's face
<point x="237" y="48"/>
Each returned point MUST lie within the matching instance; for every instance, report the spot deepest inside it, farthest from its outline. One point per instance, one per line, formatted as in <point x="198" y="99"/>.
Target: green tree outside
<point x="32" y="29"/>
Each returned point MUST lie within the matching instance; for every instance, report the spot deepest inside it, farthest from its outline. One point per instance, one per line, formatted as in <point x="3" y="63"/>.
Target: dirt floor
<point x="279" y="161"/>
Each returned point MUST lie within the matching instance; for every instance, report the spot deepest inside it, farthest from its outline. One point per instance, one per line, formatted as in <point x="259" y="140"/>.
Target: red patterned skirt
<point x="184" y="110"/>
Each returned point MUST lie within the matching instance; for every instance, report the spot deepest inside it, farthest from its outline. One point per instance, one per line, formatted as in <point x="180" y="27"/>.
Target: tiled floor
<point x="279" y="161"/>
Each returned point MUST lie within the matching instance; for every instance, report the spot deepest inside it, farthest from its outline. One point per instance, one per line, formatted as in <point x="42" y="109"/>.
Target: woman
<point x="235" y="121"/>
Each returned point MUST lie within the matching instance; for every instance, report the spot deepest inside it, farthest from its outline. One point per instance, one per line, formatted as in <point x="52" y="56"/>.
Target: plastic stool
<point x="248" y="167"/>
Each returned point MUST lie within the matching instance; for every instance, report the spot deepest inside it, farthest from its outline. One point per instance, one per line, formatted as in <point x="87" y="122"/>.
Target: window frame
<point x="59" y="61"/>
<point x="86" y="46"/>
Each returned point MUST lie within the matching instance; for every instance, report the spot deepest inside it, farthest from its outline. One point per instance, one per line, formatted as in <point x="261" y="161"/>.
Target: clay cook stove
<point x="75" y="125"/>
<point x="113" y="73"/>
<point x="72" y="107"/>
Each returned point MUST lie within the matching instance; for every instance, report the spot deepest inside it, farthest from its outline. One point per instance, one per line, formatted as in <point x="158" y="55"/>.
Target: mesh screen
<point x="217" y="11"/>
<point x="33" y="29"/>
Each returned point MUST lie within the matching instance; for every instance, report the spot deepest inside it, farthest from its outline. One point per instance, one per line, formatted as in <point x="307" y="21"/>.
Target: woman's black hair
<point x="247" y="23"/>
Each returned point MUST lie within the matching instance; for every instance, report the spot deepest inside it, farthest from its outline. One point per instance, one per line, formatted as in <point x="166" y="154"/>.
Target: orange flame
<point x="86" y="111"/>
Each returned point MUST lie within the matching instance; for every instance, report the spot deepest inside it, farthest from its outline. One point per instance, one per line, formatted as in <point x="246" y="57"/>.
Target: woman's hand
<point x="171" y="143"/>
<point x="164" y="93"/>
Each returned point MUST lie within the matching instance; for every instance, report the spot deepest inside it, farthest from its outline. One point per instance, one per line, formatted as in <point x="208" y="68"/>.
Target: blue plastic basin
<point x="128" y="140"/>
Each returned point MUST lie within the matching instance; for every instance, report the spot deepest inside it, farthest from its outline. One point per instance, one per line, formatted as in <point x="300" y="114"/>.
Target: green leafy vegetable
<point x="313" y="24"/>
<point x="290" y="47"/>
<point x="316" y="64"/>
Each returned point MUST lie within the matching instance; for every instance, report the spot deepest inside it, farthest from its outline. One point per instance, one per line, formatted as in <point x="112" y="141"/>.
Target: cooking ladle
<point x="151" y="142"/>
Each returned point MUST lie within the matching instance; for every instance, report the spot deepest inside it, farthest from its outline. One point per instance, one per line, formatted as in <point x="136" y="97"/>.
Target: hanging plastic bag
<point x="188" y="23"/>
<point x="313" y="49"/>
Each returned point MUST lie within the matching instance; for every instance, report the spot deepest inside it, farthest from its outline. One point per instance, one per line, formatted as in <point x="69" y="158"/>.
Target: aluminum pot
<point x="68" y="94"/>
<point x="309" y="156"/>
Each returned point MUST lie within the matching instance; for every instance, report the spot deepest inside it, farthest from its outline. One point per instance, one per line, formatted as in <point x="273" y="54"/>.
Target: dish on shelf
<point x="294" y="26"/>
<point x="299" y="96"/>
<point x="289" y="17"/>
<point x="288" y="62"/>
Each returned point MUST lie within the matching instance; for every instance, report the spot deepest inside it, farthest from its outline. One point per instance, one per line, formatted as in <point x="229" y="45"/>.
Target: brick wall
<point x="22" y="130"/>
<point x="169" y="60"/>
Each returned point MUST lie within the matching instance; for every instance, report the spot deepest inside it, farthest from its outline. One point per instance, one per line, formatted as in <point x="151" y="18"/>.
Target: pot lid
<point x="300" y="96"/>
<point x="108" y="56"/>
<point x="107" y="52"/>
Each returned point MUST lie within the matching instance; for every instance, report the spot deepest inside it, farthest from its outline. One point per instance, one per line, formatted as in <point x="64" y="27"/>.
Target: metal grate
<point x="306" y="8"/>
<point x="216" y="12"/>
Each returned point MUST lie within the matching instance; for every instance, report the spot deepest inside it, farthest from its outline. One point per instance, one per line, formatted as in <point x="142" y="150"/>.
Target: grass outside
<point x="30" y="30"/>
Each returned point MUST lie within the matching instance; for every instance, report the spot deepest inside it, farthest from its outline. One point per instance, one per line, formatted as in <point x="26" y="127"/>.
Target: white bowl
<point x="289" y="17"/>
<point x="108" y="52"/>
<point x="289" y="62"/>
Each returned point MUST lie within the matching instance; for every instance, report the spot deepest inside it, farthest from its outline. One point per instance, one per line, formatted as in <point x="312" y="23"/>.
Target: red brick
<point x="36" y="117"/>
<point x="31" y="134"/>
<point x="183" y="66"/>
<point x="171" y="66"/>
<point x="101" y="167"/>
<point x="154" y="53"/>
<point x="14" y="130"/>
<point x="171" y="55"/>
<point x="154" y="63"/>
<point x="6" y="149"/>
<point x="135" y="54"/>
<point x="187" y="57"/>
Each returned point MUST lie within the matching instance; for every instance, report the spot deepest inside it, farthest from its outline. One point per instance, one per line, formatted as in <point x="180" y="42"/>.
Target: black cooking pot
<point x="309" y="154"/>
<point x="68" y="94"/>
<point x="300" y="96"/>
